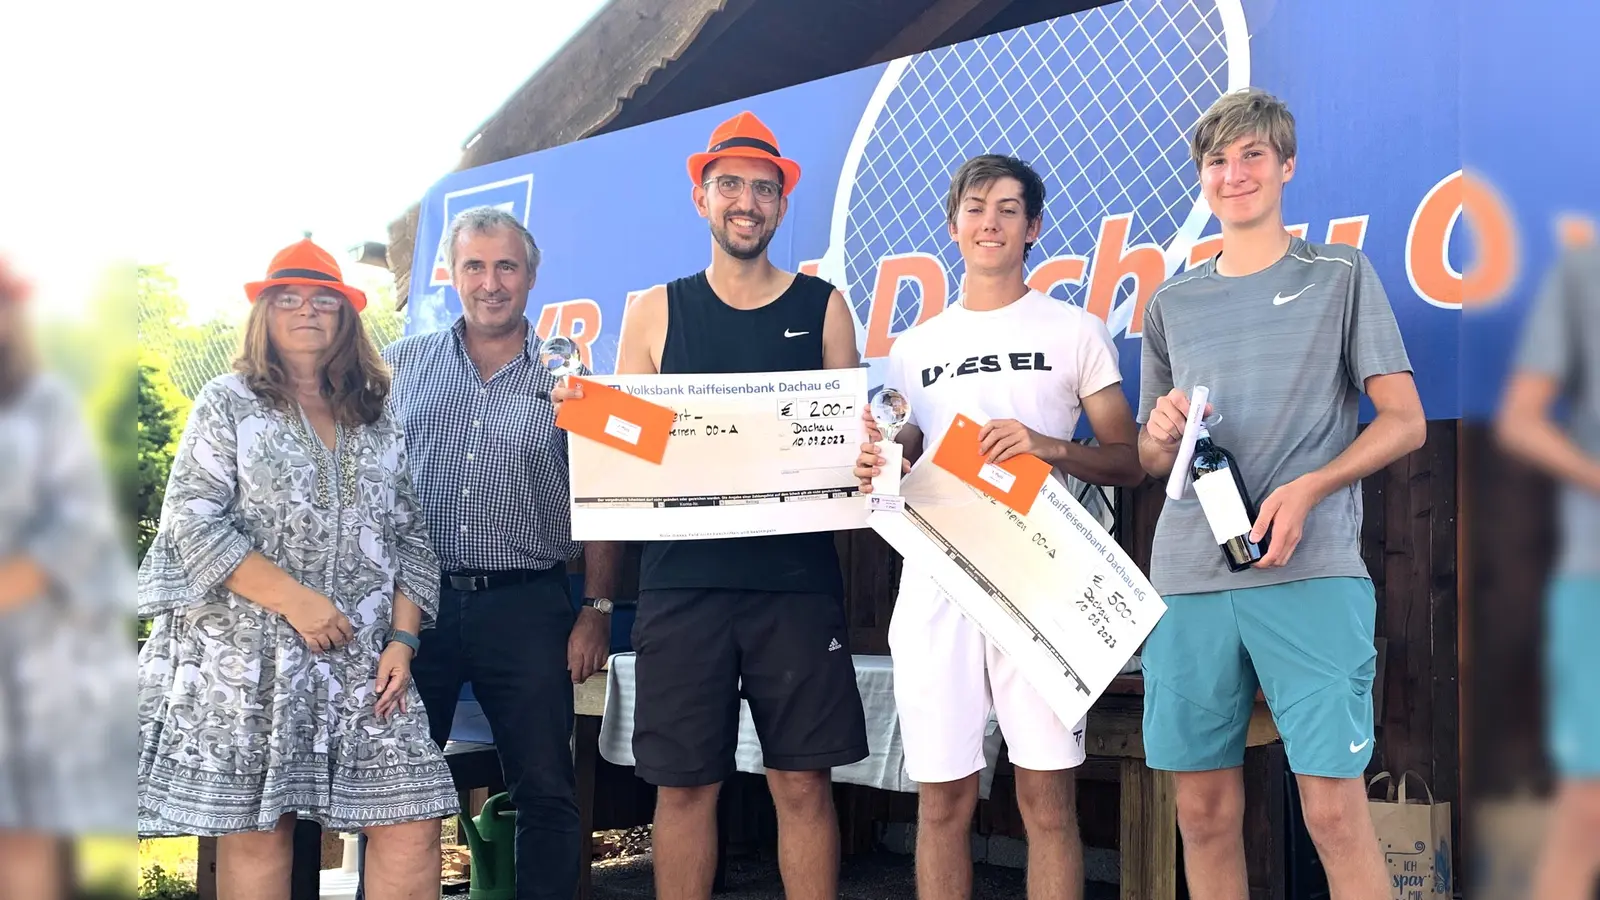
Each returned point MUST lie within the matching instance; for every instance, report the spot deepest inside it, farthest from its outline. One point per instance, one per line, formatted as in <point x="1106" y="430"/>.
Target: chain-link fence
<point x="196" y="353"/>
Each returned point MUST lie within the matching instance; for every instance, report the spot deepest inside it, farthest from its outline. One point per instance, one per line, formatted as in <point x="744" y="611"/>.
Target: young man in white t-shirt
<point x="1032" y="365"/>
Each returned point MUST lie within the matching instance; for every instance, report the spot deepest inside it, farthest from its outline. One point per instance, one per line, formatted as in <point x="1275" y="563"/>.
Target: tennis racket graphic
<point x="1101" y="103"/>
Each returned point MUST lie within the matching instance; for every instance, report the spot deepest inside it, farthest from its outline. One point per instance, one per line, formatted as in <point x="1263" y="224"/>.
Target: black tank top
<point x="706" y="335"/>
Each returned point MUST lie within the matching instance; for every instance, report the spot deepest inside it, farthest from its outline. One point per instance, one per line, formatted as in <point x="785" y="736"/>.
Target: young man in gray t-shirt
<point x="1559" y="359"/>
<point x="1286" y="335"/>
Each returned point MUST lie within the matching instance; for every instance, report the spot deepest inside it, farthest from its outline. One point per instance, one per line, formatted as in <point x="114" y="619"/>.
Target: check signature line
<point x="690" y="500"/>
<point x="989" y="587"/>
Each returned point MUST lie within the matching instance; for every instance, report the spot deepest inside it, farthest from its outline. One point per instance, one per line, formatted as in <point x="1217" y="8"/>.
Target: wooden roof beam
<point x="580" y="89"/>
<point x="945" y="22"/>
<point x="586" y="83"/>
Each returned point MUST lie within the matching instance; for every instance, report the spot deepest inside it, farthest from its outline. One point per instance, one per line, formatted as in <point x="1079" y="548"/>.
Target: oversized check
<point x="1052" y="588"/>
<point x="755" y="454"/>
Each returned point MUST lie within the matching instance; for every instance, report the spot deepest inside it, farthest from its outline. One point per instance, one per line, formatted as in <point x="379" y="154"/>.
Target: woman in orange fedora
<point x="289" y="578"/>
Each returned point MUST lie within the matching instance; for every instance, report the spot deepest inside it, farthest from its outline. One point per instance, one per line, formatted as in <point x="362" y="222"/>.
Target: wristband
<point x="407" y="638"/>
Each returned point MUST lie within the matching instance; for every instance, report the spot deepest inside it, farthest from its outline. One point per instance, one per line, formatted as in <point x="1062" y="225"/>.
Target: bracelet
<point x="407" y="638"/>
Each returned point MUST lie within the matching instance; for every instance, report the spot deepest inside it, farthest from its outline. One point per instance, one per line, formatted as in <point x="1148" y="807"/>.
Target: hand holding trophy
<point x="890" y="410"/>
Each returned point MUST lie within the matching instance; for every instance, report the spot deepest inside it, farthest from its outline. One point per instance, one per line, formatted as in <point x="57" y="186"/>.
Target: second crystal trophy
<point x="891" y="410"/>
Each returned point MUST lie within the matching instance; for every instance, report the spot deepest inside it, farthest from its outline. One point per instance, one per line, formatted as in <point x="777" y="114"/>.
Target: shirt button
<point x="464" y="492"/>
<point x="469" y="457"/>
<point x="463" y="529"/>
<point x="475" y="423"/>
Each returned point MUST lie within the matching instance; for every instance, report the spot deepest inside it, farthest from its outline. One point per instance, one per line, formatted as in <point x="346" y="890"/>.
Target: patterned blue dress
<point x="241" y="722"/>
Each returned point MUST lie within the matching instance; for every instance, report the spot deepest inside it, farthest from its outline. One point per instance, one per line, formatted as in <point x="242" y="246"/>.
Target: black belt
<point x="488" y="581"/>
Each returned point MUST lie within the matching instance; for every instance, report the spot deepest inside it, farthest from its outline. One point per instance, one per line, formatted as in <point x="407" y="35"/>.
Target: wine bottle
<point x="1226" y="502"/>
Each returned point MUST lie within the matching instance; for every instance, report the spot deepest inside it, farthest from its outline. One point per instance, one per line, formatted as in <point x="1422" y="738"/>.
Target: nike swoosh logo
<point x="1279" y="299"/>
<point x="1357" y="748"/>
<point x="788" y="333"/>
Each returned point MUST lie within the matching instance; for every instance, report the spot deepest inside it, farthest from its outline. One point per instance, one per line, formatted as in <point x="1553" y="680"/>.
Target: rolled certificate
<point x="1178" y="478"/>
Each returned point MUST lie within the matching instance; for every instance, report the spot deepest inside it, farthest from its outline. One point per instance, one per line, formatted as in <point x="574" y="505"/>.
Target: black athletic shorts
<point x="791" y="652"/>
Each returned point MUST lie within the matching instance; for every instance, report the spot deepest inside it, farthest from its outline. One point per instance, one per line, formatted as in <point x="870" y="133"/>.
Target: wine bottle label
<point x="1224" y="508"/>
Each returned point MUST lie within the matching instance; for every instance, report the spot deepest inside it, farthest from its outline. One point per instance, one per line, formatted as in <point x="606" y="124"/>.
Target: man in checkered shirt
<point x="490" y="468"/>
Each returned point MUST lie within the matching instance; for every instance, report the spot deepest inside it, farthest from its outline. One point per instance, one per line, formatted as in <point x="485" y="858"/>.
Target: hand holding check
<point x="1004" y="439"/>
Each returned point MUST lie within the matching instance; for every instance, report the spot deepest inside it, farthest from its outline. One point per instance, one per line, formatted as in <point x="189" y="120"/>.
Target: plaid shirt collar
<point x="530" y="342"/>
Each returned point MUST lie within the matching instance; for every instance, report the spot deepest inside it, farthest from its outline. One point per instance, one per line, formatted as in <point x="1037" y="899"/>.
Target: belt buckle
<point x="469" y="582"/>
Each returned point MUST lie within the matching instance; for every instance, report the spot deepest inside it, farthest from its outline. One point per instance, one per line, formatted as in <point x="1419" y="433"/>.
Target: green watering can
<point x="492" y="838"/>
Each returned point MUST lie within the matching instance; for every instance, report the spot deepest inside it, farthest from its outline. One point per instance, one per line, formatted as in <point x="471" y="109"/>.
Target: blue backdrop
<point x="1102" y="103"/>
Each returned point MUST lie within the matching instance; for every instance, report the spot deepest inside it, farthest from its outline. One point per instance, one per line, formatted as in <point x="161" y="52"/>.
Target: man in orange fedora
<point x="765" y="613"/>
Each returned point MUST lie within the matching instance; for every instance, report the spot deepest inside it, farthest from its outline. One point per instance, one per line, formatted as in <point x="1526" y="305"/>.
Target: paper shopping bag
<point x="1508" y="834"/>
<point x="1415" y="836"/>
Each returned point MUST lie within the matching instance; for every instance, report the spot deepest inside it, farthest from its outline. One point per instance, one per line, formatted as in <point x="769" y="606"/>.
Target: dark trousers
<point x="511" y="644"/>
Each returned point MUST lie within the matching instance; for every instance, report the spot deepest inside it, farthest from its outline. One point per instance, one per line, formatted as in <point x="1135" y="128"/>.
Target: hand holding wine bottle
<point x="1284" y="512"/>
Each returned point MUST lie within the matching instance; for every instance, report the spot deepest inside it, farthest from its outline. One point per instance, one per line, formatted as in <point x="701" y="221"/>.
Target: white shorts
<point x="947" y="678"/>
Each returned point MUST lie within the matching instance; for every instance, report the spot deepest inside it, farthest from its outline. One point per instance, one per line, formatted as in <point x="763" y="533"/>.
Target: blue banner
<point x="1102" y="104"/>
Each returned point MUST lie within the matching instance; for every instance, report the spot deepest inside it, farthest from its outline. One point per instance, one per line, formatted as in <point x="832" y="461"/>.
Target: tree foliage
<point x="162" y="410"/>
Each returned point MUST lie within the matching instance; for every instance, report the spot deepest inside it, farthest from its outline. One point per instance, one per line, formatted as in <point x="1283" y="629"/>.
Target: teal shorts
<point x="1572" y="676"/>
<point x="1308" y="645"/>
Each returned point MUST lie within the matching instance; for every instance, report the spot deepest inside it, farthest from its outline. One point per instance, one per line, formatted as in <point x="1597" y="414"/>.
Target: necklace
<point x="340" y="461"/>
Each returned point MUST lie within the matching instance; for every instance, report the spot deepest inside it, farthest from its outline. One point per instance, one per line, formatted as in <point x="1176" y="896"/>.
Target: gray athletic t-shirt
<point x="1284" y="352"/>
<point x="1562" y="340"/>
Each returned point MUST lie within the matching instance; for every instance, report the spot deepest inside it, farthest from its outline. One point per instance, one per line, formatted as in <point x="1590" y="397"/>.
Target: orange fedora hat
<point x="747" y="136"/>
<point x="305" y="263"/>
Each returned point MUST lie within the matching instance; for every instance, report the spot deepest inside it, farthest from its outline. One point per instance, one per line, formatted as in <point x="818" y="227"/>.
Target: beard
<point x="726" y="240"/>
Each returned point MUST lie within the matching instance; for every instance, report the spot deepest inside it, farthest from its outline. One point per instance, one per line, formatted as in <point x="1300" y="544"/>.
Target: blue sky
<point x="207" y="136"/>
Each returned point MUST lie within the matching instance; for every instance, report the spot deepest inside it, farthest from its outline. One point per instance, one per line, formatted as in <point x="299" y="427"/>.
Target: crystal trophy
<point x="890" y="409"/>
<point x="560" y="357"/>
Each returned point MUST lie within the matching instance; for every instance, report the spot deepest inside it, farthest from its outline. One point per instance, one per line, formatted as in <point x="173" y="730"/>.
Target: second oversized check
<point x="750" y="454"/>
<point x="1052" y="589"/>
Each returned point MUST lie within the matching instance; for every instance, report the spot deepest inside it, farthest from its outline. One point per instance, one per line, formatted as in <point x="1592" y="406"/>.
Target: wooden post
<point x="1266" y="836"/>
<point x="1149" y="832"/>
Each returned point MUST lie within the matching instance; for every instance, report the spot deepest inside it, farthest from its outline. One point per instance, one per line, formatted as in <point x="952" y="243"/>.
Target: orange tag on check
<point x="1015" y="482"/>
<point x="616" y="418"/>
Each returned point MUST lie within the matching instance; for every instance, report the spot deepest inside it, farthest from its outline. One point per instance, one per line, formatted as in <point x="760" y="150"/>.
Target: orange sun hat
<point x="746" y="136"/>
<point x="305" y="263"/>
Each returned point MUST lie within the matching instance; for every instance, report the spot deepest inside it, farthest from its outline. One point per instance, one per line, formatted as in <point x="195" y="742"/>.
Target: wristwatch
<point x="599" y="604"/>
<point x="405" y="637"/>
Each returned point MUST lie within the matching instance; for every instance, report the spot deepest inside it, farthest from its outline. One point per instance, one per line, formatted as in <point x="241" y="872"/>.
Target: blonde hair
<point x="1249" y="112"/>
<point x="354" y="377"/>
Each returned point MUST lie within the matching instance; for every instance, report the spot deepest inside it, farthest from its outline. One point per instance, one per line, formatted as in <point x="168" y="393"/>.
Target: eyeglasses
<point x="731" y="186"/>
<point x="320" y="302"/>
